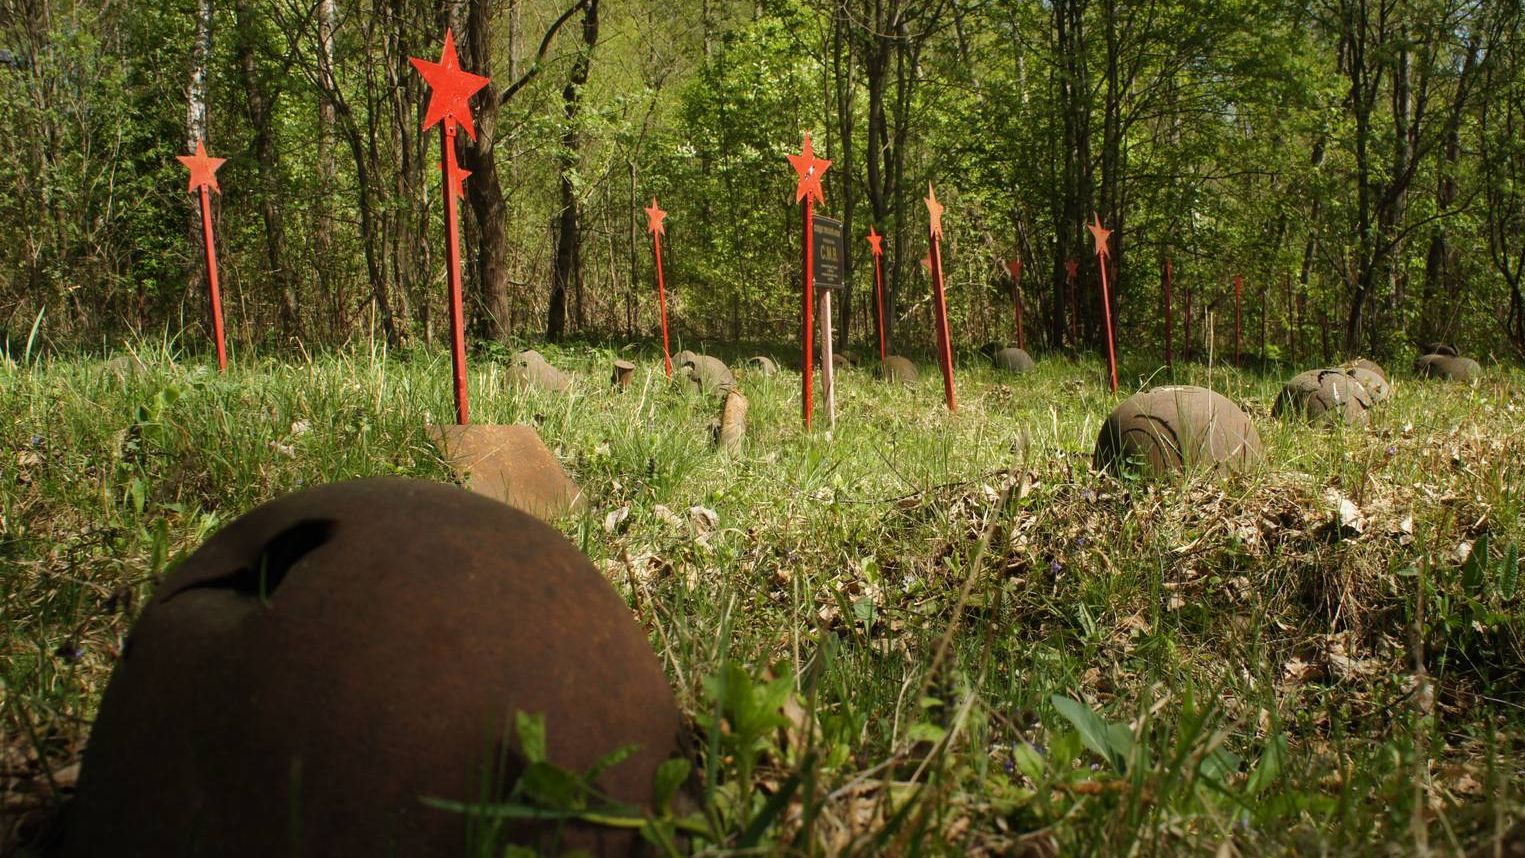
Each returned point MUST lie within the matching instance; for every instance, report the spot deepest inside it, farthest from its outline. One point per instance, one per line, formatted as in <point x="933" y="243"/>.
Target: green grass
<point x="979" y="644"/>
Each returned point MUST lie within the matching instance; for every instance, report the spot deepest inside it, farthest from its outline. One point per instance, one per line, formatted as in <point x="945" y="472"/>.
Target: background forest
<point x="1358" y="162"/>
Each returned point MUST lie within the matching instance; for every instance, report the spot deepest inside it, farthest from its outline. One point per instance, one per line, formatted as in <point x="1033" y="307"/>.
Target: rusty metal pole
<point x="655" y="224"/>
<point x="1014" y="267"/>
<point x="807" y="364"/>
<point x="940" y="303"/>
<point x="1238" y="314"/>
<point x="1101" y="235"/>
<point x="876" y="243"/>
<point x="211" y="255"/>
<point x="1169" y="275"/>
<point x="453" y="269"/>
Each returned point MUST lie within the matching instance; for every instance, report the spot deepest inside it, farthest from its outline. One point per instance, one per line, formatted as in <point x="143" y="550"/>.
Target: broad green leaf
<point x="530" y="727"/>
<point x="1272" y="761"/>
<point x="1092" y="729"/>
<point x="667" y="781"/>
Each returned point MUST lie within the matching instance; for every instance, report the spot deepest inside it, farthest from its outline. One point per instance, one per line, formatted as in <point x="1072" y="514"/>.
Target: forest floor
<point x="922" y="632"/>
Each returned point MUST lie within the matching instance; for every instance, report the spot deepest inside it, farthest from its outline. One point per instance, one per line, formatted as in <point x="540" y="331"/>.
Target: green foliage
<point x="1140" y="667"/>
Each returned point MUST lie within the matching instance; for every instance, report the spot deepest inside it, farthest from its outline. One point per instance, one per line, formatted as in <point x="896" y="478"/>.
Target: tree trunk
<point x="196" y="122"/>
<point x="1071" y="212"/>
<point x="568" y="272"/>
<point x="260" y="101"/>
<point x="331" y="287"/>
<point x="484" y="192"/>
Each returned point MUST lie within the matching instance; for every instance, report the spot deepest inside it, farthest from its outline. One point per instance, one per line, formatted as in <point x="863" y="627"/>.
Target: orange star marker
<point x="811" y="169"/>
<point x="654" y="224"/>
<point x="935" y="258"/>
<point x="450" y="88"/>
<point x="203" y="177"/>
<point x="1101" y="234"/>
<point x="203" y="168"/>
<point x="934" y="211"/>
<point x="450" y="92"/>
<point x="808" y="190"/>
<point x="876" y="245"/>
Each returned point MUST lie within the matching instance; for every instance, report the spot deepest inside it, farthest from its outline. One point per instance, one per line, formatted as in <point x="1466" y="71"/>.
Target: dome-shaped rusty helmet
<point x="326" y="662"/>
<point x="1178" y="428"/>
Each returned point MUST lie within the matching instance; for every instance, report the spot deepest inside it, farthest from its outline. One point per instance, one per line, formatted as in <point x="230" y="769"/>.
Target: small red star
<point x="1072" y="268"/>
<point x="654" y="218"/>
<point x="451" y="88"/>
<point x="1014" y="267"/>
<point x="875" y="242"/>
<point x="811" y="169"/>
<point x="457" y="176"/>
<point x="203" y="169"/>
<point x="934" y="211"/>
<point x="1101" y="235"/>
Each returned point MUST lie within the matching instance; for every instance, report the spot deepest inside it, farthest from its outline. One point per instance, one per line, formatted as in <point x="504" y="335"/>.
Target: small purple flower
<point x="1010" y="766"/>
<point x="70" y="652"/>
<point x="1089" y="496"/>
<point x="1391" y="450"/>
<point x="36" y="440"/>
<point x="1080" y="542"/>
<point x="1055" y="567"/>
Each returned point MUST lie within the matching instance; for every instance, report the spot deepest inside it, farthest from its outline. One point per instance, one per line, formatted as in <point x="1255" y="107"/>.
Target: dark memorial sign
<point x="830" y="253"/>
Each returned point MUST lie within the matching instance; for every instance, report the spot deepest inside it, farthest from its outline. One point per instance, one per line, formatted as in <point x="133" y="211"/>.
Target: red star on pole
<point x="654" y="218"/>
<point x="811" y="169"/>
<point x="451" y="88"/>
<point x="934" y="211"/>
<point x="1014" y="268"/>
<point x="875" y="242"/>
<point x="1101" y="234"/>
<point x="457" y="176"/>
<point x="1072" y="268"/>
<point x="203" y="169"/>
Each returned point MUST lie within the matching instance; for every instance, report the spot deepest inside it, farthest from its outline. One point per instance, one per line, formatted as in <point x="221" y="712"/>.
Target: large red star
<point x="811" y="169"/>
<point x="875" y="242"/>
<point x="1101" y="234"/>
<point x="451" y="88"/>
<point x="934" y="211"/>
<point x="654" y="218"/>
<point x="203" y="169"/>
<point x="1014" y="267"/>
<point x="1072" y="268"/>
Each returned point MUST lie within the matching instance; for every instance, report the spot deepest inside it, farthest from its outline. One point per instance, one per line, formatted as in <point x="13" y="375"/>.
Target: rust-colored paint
<point x="450" y="92"/>
<point x="203" y="181"/>
<point x="935" y="256"/>
<point x="655" y="223"/>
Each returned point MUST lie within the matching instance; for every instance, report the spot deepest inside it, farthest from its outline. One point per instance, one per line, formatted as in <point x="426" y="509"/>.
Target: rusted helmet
<point x="1329" y="395"/>
<point x="1449" y="367"/>
<point x="328" y="661"/>
<point x="762" y="365"/>
<point x="898" y="369"/>
<point x="1368" y="365"/>
<point x="1013" y="360"/>
<point x="708" y="374"/>
<point x="533" y="371"/>
<point x="1177" y="428"/>
<point x="1372" y="378"/>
